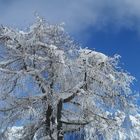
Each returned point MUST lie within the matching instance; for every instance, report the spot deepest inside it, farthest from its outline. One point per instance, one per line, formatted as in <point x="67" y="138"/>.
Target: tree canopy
<point x="50" y="86"/>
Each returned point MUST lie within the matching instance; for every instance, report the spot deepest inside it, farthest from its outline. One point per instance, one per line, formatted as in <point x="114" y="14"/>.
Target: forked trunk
<point x="54" y="134"/>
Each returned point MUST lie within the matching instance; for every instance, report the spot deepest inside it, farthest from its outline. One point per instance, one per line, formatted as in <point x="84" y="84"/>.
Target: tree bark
<point x="48" y="121"/>
<point x="60" y="135"/>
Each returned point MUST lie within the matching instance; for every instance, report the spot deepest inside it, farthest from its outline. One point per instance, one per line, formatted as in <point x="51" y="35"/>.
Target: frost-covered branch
<point x="51" y="86"/>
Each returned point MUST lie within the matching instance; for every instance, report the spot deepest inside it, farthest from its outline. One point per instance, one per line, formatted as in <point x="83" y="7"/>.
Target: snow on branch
<point x="50" y="85"/>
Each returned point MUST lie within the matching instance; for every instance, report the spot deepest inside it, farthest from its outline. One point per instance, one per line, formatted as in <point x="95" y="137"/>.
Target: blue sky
<point x="108" y="26"/>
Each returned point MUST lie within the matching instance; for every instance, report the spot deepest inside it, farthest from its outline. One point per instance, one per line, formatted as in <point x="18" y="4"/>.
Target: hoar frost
<point x="50" y="86"/>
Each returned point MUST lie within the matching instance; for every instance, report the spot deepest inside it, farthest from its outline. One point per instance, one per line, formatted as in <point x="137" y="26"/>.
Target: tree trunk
<point x="60" y="135"/>
<point x="48" y="121"/>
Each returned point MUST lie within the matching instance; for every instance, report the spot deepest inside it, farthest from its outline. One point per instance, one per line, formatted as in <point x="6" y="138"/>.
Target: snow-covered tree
<point x="49" y="86"/>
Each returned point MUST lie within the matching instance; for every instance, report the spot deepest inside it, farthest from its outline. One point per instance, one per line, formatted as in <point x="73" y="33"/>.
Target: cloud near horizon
<point x="77" y="14"/>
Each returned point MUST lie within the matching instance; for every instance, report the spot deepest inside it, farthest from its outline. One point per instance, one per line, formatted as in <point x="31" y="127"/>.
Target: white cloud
<point x="77" y="14"/>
